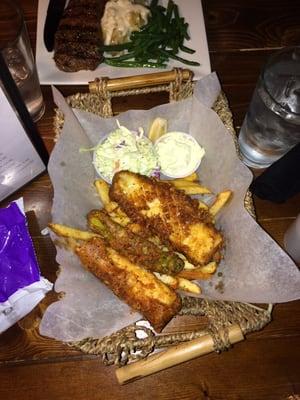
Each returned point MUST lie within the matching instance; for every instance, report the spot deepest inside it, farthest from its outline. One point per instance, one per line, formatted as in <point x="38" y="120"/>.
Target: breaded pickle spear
<point x="134" y="247"/>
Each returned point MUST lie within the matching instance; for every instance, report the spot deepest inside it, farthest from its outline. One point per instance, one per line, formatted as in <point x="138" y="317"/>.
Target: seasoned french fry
<point x="167" y="280"/>
<point x="158" y="128"/>
<point x="192" y="178"/>
<point x="190" y="190"/>
<point x="111" y="206"/>
<point x="67" y="243"/>
<point x="186" y="285"/>
<point x="221" y="199"/>
<point x="209" y="268"/>
<point x="102" y="188"/>
<point x="203" y="272"/>
<point x="189" y="187"/>
<point x="177" y="282"/>
<point x="194" y="274"/>
<point x="181" y="181"/>
<point x="66" y="231"/>
<point x="188" y="265"/>
<point x="203" y="205"/>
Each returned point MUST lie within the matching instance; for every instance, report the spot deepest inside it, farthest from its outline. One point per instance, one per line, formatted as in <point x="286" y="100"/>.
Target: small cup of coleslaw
<point x="179" y="154"/>
<point x="123" y="149"/>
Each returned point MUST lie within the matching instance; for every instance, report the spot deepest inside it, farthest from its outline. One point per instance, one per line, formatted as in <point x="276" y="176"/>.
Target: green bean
<point x="187" y="49"/>
<point x="134" y="64"/>
<point x="156" y="42"/>
<point x="171" y="55"/>
<point x="176" y="13"/>
<point x="170" y="8"/>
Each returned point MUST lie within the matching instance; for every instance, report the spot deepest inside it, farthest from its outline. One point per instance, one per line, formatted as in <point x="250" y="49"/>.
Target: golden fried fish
<point x="138" y="287"/>
<point x="169" y="213"/>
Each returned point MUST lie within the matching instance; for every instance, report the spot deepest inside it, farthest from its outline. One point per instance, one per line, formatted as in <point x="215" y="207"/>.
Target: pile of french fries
<point x="191" y="186"/>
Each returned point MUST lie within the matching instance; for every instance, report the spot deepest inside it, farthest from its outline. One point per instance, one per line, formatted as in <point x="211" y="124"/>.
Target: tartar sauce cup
<point x="179" y="154"/>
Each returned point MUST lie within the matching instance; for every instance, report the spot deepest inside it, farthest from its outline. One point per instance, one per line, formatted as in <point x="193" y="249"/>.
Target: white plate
<point x="191" y="10"/>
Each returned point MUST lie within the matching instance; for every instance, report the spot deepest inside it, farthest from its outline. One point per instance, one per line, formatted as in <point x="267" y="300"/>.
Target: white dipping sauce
<point x="179" y="154"/>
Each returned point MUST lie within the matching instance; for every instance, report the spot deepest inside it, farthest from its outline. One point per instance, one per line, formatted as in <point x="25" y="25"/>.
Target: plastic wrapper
<point x="254" y="269"/>
<point x="21" y="286"/>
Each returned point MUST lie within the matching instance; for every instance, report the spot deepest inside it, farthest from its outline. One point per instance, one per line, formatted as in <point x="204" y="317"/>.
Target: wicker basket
<point x="124" y="346"/>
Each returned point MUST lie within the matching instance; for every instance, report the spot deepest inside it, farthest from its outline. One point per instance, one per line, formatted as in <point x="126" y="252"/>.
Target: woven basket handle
<point x="139" y="81"/>
<point x="175" y="355"/>
<point x="177" y="82"/>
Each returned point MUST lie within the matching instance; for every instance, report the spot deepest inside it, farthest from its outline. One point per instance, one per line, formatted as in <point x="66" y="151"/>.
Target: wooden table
<point x="241" y="35"/>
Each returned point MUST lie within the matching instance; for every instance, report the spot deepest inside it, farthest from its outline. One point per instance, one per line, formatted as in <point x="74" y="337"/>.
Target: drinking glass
<point x="17" y="53"/>
<point x="272" y="124"/>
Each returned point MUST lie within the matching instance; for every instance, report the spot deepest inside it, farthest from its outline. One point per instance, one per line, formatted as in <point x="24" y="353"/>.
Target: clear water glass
<point x="272" y="124"/>
<point x="17" y="53"/>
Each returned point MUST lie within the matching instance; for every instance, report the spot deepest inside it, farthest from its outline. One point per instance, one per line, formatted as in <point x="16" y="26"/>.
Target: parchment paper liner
<point x="61" y="319"/>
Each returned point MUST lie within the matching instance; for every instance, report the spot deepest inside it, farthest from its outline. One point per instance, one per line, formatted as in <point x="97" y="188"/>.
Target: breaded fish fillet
<point x="169" y="213"/>
<point x="139" y="288"/>
<point x="132" y="246"/>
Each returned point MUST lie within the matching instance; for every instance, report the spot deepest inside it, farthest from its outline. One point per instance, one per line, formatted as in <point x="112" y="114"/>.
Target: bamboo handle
<point x="174" y="355"/>
<point x="137" y="81"/>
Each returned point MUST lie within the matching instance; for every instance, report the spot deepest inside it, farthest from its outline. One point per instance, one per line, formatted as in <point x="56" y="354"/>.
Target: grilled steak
<point x="79" y="36"/>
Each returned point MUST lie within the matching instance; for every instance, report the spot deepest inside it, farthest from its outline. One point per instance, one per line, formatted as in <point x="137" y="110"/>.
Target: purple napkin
<point x="21" y="285"/>
<point x="18" y="264"/>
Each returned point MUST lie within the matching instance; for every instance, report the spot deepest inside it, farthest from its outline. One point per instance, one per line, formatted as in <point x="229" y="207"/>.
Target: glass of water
<point x="272" y="124"/>
<point x="17" y="53"/>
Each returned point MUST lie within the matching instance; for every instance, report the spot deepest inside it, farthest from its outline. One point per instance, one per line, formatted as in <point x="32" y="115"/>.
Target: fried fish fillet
<point x="169" y="213"/>
<point x="134" y="247"/>
<point x="138" y="287"/>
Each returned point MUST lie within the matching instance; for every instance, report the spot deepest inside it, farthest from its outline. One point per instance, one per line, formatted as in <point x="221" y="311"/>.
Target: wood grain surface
<point x="241" y="36"/>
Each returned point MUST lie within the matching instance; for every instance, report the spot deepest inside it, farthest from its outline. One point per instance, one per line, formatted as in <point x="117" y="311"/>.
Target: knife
<point x="54" y="14"/>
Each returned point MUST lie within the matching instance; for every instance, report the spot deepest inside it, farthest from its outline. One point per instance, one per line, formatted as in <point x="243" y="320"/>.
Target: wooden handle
<point x="174" y="355"/>
<point x="138" y="81"/>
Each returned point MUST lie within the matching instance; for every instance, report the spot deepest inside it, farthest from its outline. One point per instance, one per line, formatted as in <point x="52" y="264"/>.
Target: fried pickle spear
<point x="169" y="213"/>
<point x="139" y="288"/>
<point x="135" y="248"/>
